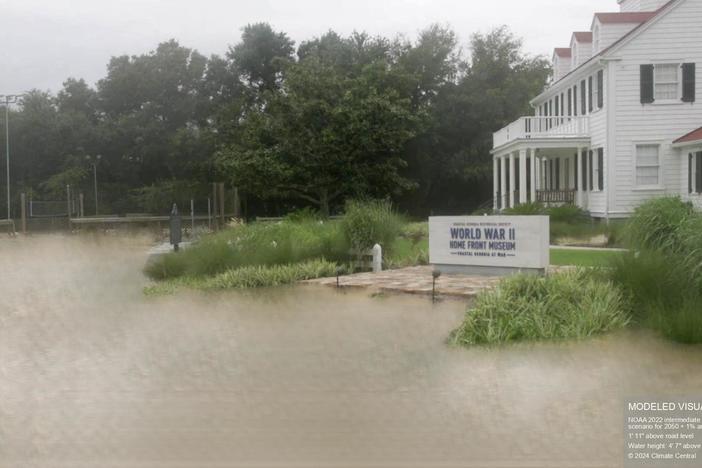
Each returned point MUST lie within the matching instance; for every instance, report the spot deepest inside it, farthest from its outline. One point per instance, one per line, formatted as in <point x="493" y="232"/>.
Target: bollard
<point x="176" y="234"/>
<point x="434" y="275"/>
<point x="377" y="258"/>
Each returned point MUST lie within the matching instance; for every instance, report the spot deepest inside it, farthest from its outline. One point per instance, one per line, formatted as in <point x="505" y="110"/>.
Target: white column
<point x="495" y="182"/>
<point x="503" y="182"/>
<point x="579" y="179"/>
<point x="587" y="170"/>
<point x="522" y="176"/>
<point x="511" y="179"/>
<point x="532" y="162"/>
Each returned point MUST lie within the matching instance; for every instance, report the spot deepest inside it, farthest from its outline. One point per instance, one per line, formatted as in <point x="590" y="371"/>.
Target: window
<point x="666" y="79"/>
<point x="648" y="165"/>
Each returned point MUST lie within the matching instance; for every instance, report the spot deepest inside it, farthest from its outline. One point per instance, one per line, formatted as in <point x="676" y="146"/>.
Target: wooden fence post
<point x="221" y="204"/>
<point x="23" y="211"/>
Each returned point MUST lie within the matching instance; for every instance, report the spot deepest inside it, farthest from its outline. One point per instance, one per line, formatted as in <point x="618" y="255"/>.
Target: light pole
<point x="8" y="99"/>
<point x="93" y="160"/>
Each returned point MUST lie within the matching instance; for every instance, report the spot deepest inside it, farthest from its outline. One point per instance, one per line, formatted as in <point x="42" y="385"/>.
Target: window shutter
<point x="558" y="174"/>
<point x="646" y="84"/>
<point x="600" y="89"/>
<point x="570" y="103"/>
<point x="575" y="100"/>
<point x="576" y="171"/>
<point x="600" y="169"/>
<point x="583" y="97"/>
<point x="688" y="82"/>
<point x="558" y="107"/>
<point x="698" y="178"/>
<point x="589" y="100"/>
<point x="592" y="184"/>
<point x="583" y="172"/>
<point x="690" y="159"/>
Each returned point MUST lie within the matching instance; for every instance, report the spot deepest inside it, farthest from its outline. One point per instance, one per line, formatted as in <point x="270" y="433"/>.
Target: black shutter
<point x="583" y="171"/>
<point x="528" y="176"/>
<point x="600" y="169"/>
<point x="583" y="97"/>
<point x="575" y="100"/>
<point x="589" y="97"/>
<point x="592" y="182"/>
<point x="689" y="172"/>
<point x="576" y="171"/>
<point x="570" y="103"/>
<point x="600" y="89"/>
<point x="688" y="82"/>
<point x="558" y="108"/>
<point x="646" y="84"/>
<point x="558" y="174"/>
<point x="698" y="178"/>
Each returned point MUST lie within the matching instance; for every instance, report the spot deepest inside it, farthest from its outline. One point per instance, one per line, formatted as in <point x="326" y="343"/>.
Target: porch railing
<point x="556" y="196"/>
<point x="542" y="127"/>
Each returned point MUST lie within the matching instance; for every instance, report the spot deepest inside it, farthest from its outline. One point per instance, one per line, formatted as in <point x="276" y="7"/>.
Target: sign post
<point x="489" y="245"/>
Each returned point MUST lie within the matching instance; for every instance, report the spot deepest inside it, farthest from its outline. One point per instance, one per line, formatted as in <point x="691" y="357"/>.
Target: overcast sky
<point x="42" y="42"/>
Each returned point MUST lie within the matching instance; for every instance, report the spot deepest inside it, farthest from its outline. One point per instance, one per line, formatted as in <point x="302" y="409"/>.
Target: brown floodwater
<point x="94" y="374"/>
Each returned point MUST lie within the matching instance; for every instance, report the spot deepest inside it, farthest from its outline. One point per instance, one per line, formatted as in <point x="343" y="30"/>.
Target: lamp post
<point x="8" y="99"/>
<point x="93" y="160"/>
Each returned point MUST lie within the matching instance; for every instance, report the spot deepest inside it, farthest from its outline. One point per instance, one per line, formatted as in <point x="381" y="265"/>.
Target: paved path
<point x="414" y="280"/>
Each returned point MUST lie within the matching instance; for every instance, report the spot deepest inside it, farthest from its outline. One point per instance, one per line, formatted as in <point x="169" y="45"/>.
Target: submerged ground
<point x="92" y="373"/>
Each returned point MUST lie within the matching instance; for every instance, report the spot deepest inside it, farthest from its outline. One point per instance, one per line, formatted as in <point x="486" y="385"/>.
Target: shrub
<point x="367" y="223"/>
<point x="248" y="277"/>
<point x="570" y="305"/>
<point x="263" y="244"/>
<point x="526" y="209"/>
<point x="569" y="214"/>
<point x="658" y="223"/>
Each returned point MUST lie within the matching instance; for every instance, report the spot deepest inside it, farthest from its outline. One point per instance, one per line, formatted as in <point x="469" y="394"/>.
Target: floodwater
<point x="94" y="374"/>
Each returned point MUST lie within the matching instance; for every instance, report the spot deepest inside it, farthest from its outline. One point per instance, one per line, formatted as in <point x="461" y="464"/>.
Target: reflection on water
<point x="93" y="374"/>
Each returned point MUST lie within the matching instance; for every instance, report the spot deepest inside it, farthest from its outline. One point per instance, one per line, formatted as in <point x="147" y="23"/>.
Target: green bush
<point x="658" y="223"/>
<point x="569" y="214"/>
<point x="572" y="305"/>
<point x="248" y="277"/>
<point x="367" y="223"/>
<point x="260" y="244"/>
<point x="526" y="209"/>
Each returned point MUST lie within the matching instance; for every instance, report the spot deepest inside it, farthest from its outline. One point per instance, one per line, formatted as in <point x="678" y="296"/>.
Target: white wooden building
<point x="618" y="124"/>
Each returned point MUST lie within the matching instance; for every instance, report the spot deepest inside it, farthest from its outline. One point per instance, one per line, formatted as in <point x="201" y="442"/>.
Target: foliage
<point x="583" y="258"/>
<point x="569" y="214"/>
<point x="367" y="223"/>
<point x="248" y="277"/>
<point x="526" y="209"/>
<point x="344" y="117"/>
<point x="662" y="276"/>
<point x="258" y="244"/>
<point x="573" y="305"/>
<point x="657" y="223"/>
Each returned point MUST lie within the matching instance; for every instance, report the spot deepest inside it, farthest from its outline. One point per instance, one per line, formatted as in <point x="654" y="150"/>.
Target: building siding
<point x="630" y="5"/>
<point x="676" y="36"/>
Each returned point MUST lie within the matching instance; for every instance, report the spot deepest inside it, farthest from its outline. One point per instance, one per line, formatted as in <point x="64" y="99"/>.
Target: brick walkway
<point x="413" y="280"/>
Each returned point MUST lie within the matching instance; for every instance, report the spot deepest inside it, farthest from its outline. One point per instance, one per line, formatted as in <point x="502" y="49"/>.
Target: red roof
<point x="563" y="51"/>
<point x="694" y="135"/>
<point x="583" y="36"/>
<point x="628" y="17"/>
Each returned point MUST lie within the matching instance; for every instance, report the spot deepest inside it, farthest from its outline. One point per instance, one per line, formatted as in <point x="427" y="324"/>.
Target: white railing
<point x="542" y="127"/>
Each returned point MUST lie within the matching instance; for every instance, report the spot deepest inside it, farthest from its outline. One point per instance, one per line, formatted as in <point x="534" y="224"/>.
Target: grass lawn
<point x="583" y="258"/>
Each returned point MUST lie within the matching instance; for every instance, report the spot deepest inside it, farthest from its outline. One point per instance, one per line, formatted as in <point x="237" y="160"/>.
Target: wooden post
<point x="81" y="213"/>
<point x="192" y="218"/>
<point x="68" y="205"/>
<point x="23" y="200"/>
<point x="237" y="204"/>
<point x="214" y="205"/>
<point x="221" y="205"/>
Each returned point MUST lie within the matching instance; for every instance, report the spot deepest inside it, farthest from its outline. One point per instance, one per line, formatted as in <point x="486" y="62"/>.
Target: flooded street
<point x="92" y="373"/>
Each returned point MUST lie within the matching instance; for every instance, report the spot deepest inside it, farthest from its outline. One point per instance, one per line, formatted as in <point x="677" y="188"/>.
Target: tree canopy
<point x="333" y="118"/>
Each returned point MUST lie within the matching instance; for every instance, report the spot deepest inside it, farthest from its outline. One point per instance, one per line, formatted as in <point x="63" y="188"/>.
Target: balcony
<point x="526" y="128"/>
